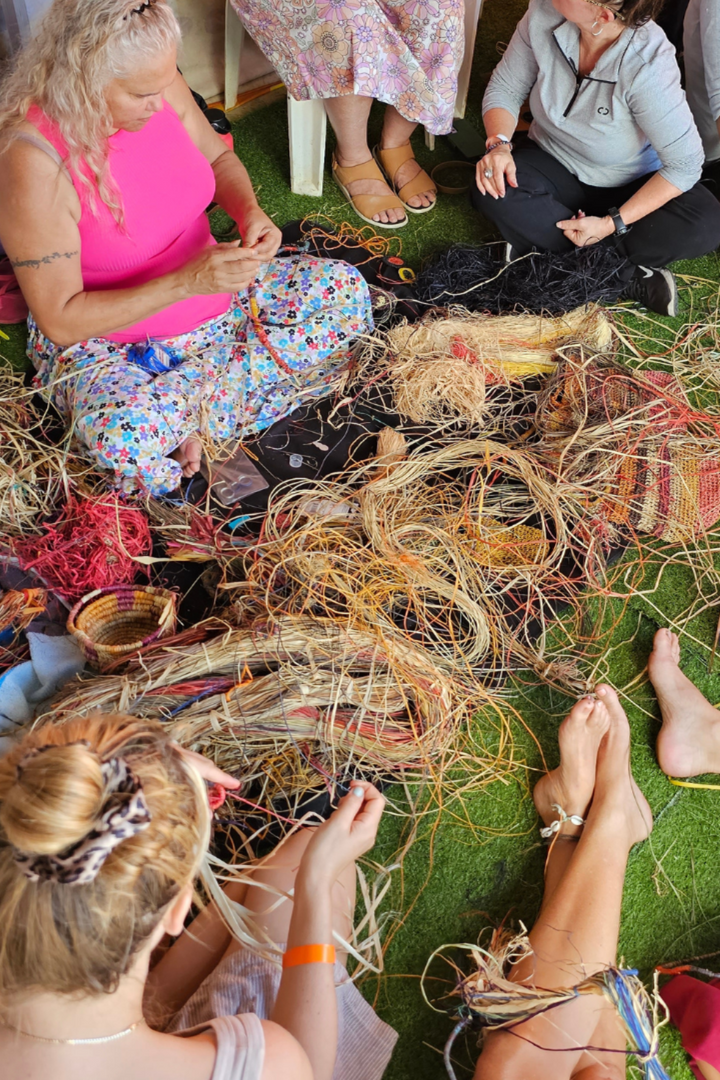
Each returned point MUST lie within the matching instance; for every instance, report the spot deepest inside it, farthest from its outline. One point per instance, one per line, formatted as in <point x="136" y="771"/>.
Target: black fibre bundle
<point x="539" y="283"/>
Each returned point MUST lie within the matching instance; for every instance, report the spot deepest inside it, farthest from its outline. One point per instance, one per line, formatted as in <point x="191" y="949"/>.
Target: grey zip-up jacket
<point x="628" y="118"/>
<point x="701" y="42"/>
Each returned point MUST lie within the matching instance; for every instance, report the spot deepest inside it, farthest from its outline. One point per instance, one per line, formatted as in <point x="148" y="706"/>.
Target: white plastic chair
<point x="307" y="120"/>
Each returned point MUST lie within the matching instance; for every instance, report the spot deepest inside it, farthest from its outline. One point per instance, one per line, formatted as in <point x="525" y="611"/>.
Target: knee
<point x="699" y="214"/>
<point x="496" y="209"/>
<point x="707" y="224"/>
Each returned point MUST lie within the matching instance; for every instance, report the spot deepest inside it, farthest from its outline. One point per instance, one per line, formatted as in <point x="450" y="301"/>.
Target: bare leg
<point x="397" y="131"/>
<point x="689" y="740"/>
<point x="348" y="116"/>
<point x="188" y="455"/>
<point x="577" y="930"/>
<point x="278" y="872"/>
<point x="571" y="785"/>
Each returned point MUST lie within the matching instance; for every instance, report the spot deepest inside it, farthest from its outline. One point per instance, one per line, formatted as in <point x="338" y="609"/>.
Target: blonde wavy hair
<point x="83" y="938"/>
<point x="80" y="46"/>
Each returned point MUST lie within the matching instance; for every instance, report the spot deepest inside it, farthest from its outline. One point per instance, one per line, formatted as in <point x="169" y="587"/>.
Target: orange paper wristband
<point x="309" y="954"/>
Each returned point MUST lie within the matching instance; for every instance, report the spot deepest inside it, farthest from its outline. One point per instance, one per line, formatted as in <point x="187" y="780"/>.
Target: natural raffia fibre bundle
<point x="35" y="474"/>
<point x="18" y="608"/>
<point x="443" y="369"/>
<point x="273" y="687"/>
<point x="547" y="282"/>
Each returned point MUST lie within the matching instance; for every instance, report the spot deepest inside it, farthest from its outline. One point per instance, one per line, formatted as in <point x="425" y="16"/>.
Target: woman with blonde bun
<point x="104" y="824"/>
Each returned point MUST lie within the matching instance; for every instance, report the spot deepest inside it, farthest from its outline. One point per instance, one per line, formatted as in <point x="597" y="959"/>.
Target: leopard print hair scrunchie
<point x="126" y="814"/>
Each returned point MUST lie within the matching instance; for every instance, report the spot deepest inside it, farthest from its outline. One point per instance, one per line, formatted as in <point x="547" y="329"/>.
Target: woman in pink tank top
<point x="147" y="336"/>
<point x="104" y="824"/>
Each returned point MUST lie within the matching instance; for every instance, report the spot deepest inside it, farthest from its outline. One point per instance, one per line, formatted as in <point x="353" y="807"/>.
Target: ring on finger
<point x="488" y="173"/>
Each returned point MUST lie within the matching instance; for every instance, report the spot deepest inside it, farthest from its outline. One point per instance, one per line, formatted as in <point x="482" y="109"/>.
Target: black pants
<point x="547" y="192"/>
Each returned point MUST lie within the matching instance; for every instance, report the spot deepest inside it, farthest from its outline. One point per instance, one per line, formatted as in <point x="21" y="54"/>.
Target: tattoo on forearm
<point x="44" y="260"/>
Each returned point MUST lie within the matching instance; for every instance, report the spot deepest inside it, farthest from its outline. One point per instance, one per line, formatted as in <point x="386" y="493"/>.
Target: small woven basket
<point x="117" y="621"/>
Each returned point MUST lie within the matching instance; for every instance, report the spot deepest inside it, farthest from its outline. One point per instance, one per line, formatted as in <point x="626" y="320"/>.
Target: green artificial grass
<point x="461" y="880"/>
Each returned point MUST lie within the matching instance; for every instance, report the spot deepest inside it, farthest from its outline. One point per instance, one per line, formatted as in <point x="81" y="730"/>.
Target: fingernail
<point x="360" y="792"/>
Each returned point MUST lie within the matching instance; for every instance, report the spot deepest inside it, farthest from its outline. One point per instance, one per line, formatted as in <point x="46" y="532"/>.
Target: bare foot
<point x="407" y="172"/>
<point x="371" y="187"/>
<point x="571" y="785"/>
<point x="188" y="455"/>
<point x="618" y="803"/>
<point x="689" y="740"/>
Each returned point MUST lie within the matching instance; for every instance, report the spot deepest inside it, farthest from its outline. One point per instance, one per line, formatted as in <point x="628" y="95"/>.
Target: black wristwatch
<point x="620" y="227"/>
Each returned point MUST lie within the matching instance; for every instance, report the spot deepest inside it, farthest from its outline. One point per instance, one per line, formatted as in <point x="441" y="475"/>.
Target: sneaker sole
<point x="672" y="284"/>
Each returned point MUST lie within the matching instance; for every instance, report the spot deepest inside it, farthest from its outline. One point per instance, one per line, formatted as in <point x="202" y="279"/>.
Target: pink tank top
<point x="166" y="183"/>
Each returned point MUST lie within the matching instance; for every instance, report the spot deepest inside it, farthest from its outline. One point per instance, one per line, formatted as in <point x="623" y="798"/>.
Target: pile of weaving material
<point x="18" y="608"/>
<point x="377" y="610"/>
<point x="444" y="368"/>
<point x="35" y="474"/>
<point x="299" y="688"/>
<point x="455" y="550"/>
<point x="640" y="459"/>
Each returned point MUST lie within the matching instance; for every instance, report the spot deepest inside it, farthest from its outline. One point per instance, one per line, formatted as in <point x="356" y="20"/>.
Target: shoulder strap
<point x="240" y="1042"/>
<point x="46" y="147"/>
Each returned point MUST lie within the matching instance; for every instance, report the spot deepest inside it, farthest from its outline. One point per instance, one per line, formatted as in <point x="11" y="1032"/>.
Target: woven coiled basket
<point x="117" y="621"/>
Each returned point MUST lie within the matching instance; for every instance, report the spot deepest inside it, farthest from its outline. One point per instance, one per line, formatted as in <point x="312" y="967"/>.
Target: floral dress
<point x="406" y="53"/>
<point x="286" y="341"/>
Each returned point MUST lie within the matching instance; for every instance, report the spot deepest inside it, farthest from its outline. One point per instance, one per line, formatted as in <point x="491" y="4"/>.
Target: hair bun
<point x="55" y="800"/>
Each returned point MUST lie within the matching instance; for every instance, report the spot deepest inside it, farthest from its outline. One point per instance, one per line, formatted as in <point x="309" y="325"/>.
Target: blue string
<point x="638" y="1030"/>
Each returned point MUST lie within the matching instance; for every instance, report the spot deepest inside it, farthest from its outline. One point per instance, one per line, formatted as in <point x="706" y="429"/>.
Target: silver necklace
<point x="83" y="1042"/>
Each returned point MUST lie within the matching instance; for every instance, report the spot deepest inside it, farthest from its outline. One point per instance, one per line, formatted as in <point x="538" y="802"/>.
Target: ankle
<point x="347" y="160"/>
<point x="392" y="144"/>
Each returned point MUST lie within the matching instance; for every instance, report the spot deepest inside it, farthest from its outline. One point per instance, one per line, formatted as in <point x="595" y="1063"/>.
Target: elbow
<point x="56" y="332"/>
<point x="683" y="170"/>
<point x="682" y="177"/>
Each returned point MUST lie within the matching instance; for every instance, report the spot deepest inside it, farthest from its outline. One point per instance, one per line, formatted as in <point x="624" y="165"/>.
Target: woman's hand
<point x="501" y="166"/>
<point x="221" y="268"/>
<point x="345" y="836"/>
<point x="206" y="768"/>
<point x="260" y="234"/>
<point x="587" y="230"/>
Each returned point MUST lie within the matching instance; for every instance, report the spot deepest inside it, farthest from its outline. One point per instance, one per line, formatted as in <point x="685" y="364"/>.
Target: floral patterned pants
<point x="234" y="376"/>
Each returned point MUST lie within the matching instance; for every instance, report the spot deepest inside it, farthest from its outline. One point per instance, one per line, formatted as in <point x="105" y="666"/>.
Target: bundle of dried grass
<point x="18" y="608"/>
<point x="443" y="368"/>
<point x="35" y="474"/>
<point x="332" y="695"/>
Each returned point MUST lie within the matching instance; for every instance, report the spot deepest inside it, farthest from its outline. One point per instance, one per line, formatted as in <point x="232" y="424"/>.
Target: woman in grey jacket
<point x="614" y="154"/>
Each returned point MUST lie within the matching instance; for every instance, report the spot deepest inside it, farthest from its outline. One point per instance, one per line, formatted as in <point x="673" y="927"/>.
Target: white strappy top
<point x="240" y="1046"/>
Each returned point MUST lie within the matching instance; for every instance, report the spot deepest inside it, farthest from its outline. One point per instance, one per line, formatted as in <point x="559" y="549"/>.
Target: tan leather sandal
<point x="367" y="205"/>
<point x="390" y="161"/>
